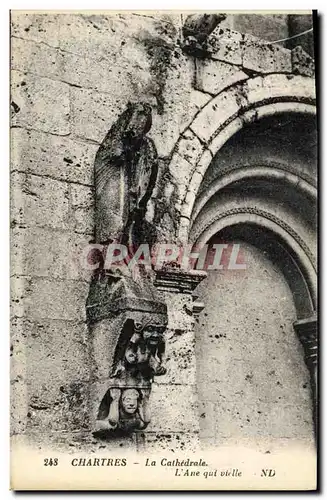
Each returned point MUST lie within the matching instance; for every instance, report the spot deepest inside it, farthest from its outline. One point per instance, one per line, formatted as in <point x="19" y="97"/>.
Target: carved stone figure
<point x="123" y="410"/>
<point x="199" y="26"/>
<point x="125" y="174"/>
<point x="143" y="353"/>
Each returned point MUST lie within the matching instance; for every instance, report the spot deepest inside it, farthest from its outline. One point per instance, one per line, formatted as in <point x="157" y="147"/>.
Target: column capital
<point x="178" y="281"/>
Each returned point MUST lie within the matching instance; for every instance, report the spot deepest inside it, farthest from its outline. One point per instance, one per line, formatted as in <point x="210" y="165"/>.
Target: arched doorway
<point x="259" y="192"/>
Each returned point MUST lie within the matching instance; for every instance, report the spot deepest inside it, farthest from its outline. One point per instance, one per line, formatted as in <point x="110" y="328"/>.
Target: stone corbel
<point x="127" y="320"/>
<point x="307" y="332"/>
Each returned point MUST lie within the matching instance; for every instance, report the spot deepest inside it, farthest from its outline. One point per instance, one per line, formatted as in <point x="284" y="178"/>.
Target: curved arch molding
<point x="223" y="116"/>
<point x="285" y="233"/>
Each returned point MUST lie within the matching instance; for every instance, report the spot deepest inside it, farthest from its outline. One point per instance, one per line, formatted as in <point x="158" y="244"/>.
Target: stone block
<point x="189" y="147"/>
<point x="179" y="305"/>
<point x="214" y="76"/>
<point x="44" y="298"/>
<point x="18" y="287"/>
<point x="55" y="353"/>
<point x="37" y="26"/>
<point x="180" y="170"/>
<point x="82" y="200"/>
<point x="302" y="63"/>
<point x="197" y="100"/>
<point x="39" y="103"/>
<point x="207" y="418"/>
<point x="151" y="442"/>
<point x="38" y="201"/>
<point x="68" y="413"/>
<point x="52" y="156"/>
<point x="216" y="112"/>
<point x="93" y="113"/>
<point x="18" y="406"/>
<point x="179" y="358"/>
<point x="173" y="408"/>
<point x="172" y="87"/>
<point x="263" y="57"/>
<point x="224" y="44"/>
<point x="35" y="57"/>
<point x="269" y="421"/>
<point x="44" y="252"/>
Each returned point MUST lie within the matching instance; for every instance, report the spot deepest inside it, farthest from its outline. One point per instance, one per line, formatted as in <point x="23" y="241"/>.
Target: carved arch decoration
<point x="223" y="116"/>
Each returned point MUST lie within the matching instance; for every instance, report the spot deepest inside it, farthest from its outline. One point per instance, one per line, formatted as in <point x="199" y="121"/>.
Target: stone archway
<point x="240" y="185"/>
<point x="221" y="118"/>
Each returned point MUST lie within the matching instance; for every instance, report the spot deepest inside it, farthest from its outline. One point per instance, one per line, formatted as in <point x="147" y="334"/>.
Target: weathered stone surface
<point x="54" y="352"/>
<point x="180" y="408"/>
<point x="179" y="305"/>
<point x="197" y="101"/>
<point x="250" y="362"/>
<point x="74" y="69"/>
<point x="39" y="27"/>
<point x="82" y="199"/>
<point x="189" y="147"/>
<point x="38" y="201"/>
<point x="276" y="86"/>
<point x="225" y="45"/>
<point x="43" y="298"/>
<point x="179" y="169"/>
<point x="265" y="26"/>
<point x="214" y="76"/>
<point x="45" y="252"/>
<point x="207" y="420"/>
<point x="93" y="113"/>
<point x="35" y="57"/>
<point x="175" y="84"/>
<point x="216" y="112"/>
<point x="39" y="103"/>
<point x="302" y="63"/>
<point x="52" y="156"/>
<point x="169" y="442"/>
<point x="263" y="57"/>
<point x="18" y="405"/>
<point x="67" y="412"/>
<point x="179" y="358"/>
<point x="268" y="421"/>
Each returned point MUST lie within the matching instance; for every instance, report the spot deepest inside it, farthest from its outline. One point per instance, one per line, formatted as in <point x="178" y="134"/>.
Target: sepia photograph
<point x="163" y="247"/>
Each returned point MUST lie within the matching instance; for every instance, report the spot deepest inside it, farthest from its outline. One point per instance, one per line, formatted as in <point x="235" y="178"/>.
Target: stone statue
<point x="126" y="410"/>
<point x="143" y="353"/>
<point x="125" y="174"/>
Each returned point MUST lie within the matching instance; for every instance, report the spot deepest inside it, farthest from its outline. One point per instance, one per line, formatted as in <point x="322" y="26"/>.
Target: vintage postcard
<point x="163" y="250"/>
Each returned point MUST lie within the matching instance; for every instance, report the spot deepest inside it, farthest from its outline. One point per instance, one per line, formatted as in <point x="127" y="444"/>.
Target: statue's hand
<point x="115" y="394"/>
<point x="102" y="425"/>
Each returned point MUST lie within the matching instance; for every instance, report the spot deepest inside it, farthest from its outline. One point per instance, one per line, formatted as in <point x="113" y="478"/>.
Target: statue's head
<point x="129" y="401"/>
<point x="130" y="355"/>
<point x="140" y="121"/>
<point x="152" y="333"/>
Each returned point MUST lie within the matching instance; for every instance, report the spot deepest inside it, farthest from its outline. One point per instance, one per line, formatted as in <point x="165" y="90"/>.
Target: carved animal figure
<point x="199" y="26"/>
